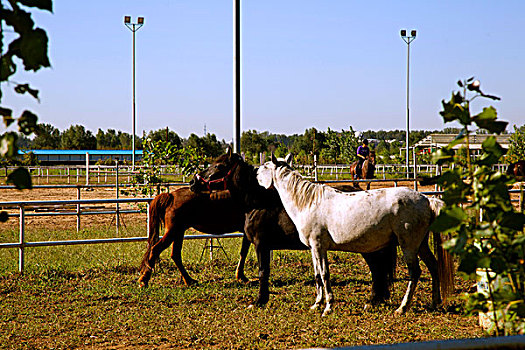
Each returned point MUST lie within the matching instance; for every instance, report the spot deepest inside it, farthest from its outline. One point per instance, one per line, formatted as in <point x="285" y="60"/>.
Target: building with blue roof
<point x="73" y="157"/>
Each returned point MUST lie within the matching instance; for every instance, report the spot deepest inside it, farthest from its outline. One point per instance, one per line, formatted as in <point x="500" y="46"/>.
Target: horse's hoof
<point x="326" y="312"/>
<point x="142" y="284"/>
<point x="399" y="312"/>
<point x="190" y="282"/>
<point x="314" y="307"/>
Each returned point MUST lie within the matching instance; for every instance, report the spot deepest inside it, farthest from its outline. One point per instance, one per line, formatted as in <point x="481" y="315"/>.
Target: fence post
<point x="78" y="209"/>
<point x="148" y="218"/>
<point x="87" y="168"/>
<point x="22" y="240"/>
<point x="521" y="197"/>
<point x="315" y="168"/>
<point x="117" y="223"/>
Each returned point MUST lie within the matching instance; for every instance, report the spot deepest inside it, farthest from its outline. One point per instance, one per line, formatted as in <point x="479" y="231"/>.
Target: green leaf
<point x="25" y="88"/>
<point x="448" y="218"/>
<point x="8" y="120"/>
<point x="6" y="112"/>
<point x="41" y="4"/>
<point x="3" y="216"/>
<point x="8" y="67"/>
<point x="487" y="120"/>
<point x="31" y="48"/>
<point x="454" y="110"/>
<point x="20" y="178"/>
<point x="27" y="123"/>
<point x="8" y="147"/>
<point x="443" y="155"/>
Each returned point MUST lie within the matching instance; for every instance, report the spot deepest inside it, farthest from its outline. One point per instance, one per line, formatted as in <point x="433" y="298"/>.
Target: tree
<point x="165" y="135"/>
<point x="517" y="145"/>
<point x="487" y="232"/>
<point x="77" y="137"/>
<point x="47" y="137"/>
<point x="207" y="146"/>
<point x="107" y="140"/>
<point x="340" y="147"/>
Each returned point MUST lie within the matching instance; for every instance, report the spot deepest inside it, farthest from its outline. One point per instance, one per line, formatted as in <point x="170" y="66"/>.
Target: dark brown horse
<point x="367" y="170"/>
<point x="179" y="211"/>
<point x="269" y="227"/>
<point x="517" y="169"/>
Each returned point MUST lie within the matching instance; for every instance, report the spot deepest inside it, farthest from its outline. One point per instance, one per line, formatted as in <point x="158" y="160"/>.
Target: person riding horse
<point x="362" y="153"/>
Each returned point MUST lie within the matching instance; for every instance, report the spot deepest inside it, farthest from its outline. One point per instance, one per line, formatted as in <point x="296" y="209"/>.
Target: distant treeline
<point x="329" y="146"/>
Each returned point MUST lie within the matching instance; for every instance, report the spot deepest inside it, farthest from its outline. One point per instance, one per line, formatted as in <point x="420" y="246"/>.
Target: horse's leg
<point x="155" y="252"/>
<point x="376" y="262"/>
<point x="263" y="259"/>
<point x="176" y="254"/>
<point x="239" y="272"/>
<point x="430" y="261"/>
<point x="414" y="272"/>
<point x="318" y="282"/>
<point x="320" y="257"/>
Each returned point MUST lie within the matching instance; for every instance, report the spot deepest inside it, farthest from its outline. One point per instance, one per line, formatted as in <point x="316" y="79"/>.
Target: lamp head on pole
<point x="127" y="19"/>
<point x="408" y="38"/>
<point x="141" y="21"/>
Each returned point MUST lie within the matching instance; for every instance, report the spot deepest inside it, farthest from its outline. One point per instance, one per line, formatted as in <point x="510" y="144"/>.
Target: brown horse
<point x="179" y="211"/>
<point x="517" y="169"/>
<point x="367" y="170"/>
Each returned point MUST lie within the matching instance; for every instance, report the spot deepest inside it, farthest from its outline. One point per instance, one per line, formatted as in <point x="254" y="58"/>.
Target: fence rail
<point x="22" y="243"/>
<point x="24" y="205"/>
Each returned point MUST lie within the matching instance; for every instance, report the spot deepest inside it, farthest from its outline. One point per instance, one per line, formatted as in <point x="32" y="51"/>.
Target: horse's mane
<point x="304" y="193"/>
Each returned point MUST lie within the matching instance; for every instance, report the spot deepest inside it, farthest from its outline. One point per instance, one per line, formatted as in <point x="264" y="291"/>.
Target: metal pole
<point x="408" y="108"/>
<point x="237" y="76"/>
<point x="117" y="223"/>
<point x="78" y="209"/>
<point x="133" y="130"/>
<point x="22" y="240"/>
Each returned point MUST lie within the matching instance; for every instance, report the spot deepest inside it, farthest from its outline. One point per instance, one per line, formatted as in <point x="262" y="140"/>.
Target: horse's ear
<point x="289" y="159"/>
<point x="229" y="151"/>
<point x="274" y="159"/>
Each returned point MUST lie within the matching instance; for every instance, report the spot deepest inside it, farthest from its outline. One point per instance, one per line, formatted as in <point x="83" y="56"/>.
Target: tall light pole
<point x="133" y="27"/>
<point x="237" y="101"/>
<point x="408" y="39"/>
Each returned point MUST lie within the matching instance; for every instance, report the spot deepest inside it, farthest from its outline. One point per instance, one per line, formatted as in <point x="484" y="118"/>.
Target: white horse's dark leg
<point x="414" y="271"/>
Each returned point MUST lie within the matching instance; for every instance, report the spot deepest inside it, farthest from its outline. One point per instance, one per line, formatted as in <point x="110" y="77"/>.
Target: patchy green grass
<point x="87" y="297"/>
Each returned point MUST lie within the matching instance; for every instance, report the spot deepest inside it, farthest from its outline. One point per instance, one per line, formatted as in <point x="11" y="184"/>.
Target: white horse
<point x="360" y="222"/>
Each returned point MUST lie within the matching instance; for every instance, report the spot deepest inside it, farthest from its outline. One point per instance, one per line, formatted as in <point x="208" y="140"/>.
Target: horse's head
<point x="218" y="174"/>
<point x="372" y="157"/>
<point x="266" y="172"/>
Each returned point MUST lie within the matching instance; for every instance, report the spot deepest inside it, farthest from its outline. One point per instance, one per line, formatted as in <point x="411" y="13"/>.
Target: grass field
<point x="87" y="297"/>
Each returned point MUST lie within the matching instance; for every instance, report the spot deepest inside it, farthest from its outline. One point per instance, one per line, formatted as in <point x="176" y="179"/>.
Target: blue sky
<point x="305" y="64"/>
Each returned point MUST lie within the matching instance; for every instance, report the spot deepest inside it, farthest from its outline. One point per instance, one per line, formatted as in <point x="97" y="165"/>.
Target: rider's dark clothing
<point x="364" y="151"/>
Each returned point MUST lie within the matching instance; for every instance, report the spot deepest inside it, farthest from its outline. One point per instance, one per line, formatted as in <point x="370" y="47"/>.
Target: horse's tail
<point x="445" y="261"/>
<point x="157" y="211"/>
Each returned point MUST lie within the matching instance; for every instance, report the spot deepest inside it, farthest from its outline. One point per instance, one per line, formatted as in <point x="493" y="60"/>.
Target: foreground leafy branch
<point x="30" y="47"/>
<point x="487" y="231"/>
